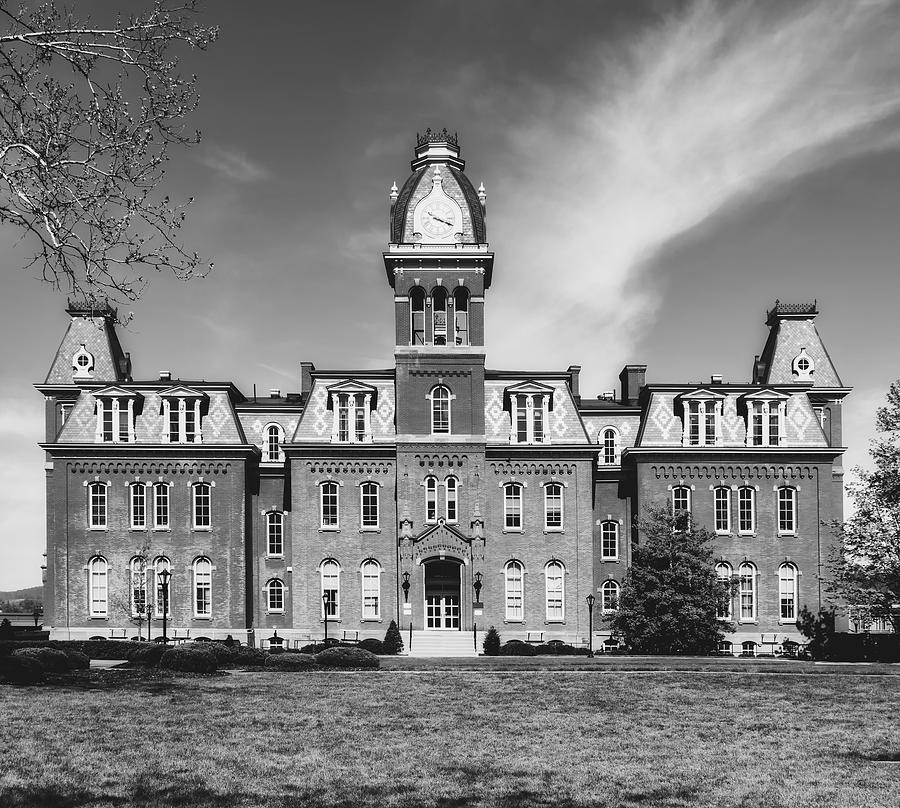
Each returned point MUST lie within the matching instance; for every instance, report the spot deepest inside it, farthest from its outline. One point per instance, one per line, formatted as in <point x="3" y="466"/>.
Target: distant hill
<point x="32" y="592"/>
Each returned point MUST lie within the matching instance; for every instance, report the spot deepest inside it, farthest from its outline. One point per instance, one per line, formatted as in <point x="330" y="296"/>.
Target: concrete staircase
<point x="442" y="643"/>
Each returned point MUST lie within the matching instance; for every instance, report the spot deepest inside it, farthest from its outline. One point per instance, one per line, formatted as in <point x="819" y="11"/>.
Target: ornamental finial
<point x="394" y="192"/>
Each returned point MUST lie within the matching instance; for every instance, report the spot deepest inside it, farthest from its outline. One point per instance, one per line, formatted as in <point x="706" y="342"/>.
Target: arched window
<point x="554" y="588"/>
<point x="275" y="596"/>
<point x="439" y="315"/>
<point x="201" y="509"/>
<point x="609" y="439"/>
<point x="272" y="450"/>
<point x="440" y="410"/>
<point x="609" y="540"/>
<point x="138" y="588"/>
<point x="609" y="597"/>
<point x="461" y="315"/>
<point x="514" y="575"/>
<point x="723" y="573"/>
<point x="725" y="648"/>
<point x="747" y="573"/>
<point x="431" y="499"/>
<point x="417" y="315"/>
<point x="98" y="585"/>
<point x="330" y="573"/>
<point x="328" y="506"/>
<point x="512" y="506"/>
<point x="787" y="592"/>
<point x="202" y="587"/>
<point x="722" y="508"/>
<point x="451" y="486"/>
<point x="138" y="494"/>
<point x="748" y="648"/>
<point x="371" y="589"/>
<point x="746" y="510"/>
<point x="97" y="506"/>
<point x="368" y="504"/>
<point x="681" y="499"/>
<point x="163" y="604"/>
<point x="553" y="506"/>
<point x="787" y="511"/>
<point x="275" y="533"/>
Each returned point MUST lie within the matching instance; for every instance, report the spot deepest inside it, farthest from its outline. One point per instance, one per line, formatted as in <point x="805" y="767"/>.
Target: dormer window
<point x="352" y="405"/>
<point x="610" y="453"/>
<point x="702" y="418"/>
<point x="182" y="413"/>
<point x="274" y="435"/>
<point x="83" y="363"/>
<point x="115" y="415"/>
<point x="803" y="366"/>
<point x="765" y="418"/>
<point x="529" y="405"/>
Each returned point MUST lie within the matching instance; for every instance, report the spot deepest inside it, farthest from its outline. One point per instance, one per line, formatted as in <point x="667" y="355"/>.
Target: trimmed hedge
<point x="50" y="659"/>
<point x="846" y="647"/>
<point x="372" y="645"/>
<point x="560" y="649"/>
<point x="516" y="648"/>
<point x="246" y="656"/>
<point x="347" y="658"/>
<point x="290" y="662"/>
<point x="21" y="670"/>
<point x="194" y="658"/>
<point x="147" y="653"/>
<point x="77" y="660"/>
<point x="224" y="654"/>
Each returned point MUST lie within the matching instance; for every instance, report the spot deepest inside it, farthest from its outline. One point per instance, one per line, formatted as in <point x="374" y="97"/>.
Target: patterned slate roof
<point x="790" y="336"/>
<point x="98" y="337"/>
<point x="317" y="420"/>
<point x="564" y="424"/>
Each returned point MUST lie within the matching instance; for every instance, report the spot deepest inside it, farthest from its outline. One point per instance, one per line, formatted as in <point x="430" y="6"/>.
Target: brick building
<point x="437" y="492"/>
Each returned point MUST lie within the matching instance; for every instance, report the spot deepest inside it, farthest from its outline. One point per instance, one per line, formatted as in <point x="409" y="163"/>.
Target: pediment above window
<point x="765" y="395"/>
<point x="116" y="392"/>
<point x="530" y="387"/>
<point x="352" y="387"/>
<point x="701" y="395"/>
<point x="181" y="391"/>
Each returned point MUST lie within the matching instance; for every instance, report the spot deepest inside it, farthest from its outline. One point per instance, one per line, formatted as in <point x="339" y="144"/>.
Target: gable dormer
<point x="529" y="404"/>
<point x="182" y="411"/>
<point x="351" y="403"/>
<point x="701" y="417"/>
<point x="765" y="417"/>
<point x="116" y="409"/>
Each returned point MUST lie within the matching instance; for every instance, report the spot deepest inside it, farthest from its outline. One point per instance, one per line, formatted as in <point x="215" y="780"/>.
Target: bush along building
<point x="438" y="492"/>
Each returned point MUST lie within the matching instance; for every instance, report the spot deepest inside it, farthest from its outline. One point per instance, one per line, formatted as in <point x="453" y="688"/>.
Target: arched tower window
<point x="275" y="533"/>
<point x="440" y="410"/>
<point x="274" y="436"/>
<point x="417" y="315"/>
<point x="275" y="596"/>
<point x="609" y="597"/>
<point x="609" y="440"/>
<point x="461" y="315"/>
<point x="439" y="315"/>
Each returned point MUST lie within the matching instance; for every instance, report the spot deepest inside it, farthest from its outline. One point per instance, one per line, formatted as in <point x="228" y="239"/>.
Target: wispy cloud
<point x="709" y="107"/>
<point x="233" y="164"/>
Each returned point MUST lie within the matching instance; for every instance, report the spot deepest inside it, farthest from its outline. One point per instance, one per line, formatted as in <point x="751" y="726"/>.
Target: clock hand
<point x="442" y="221"/>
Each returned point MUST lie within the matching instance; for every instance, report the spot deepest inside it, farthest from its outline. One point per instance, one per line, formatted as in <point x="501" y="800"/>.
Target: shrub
<point x="516" y="648"/>
<point x="246" y="656"/>
<point x="77" y="661"/>
<point x="21" y="670"/>
<point x="50" y="659"/>
<point x="347" y="658"/>
<point x="6" y="629"/>
<point x="192" y="658"/>
<point x="372" y="645"/>
<point x="147" y="654"/>
<point x="224" y="654"/>
<point x="393" y="642"/>
<point x="313" y="648"/>
<point x="492" y="642"/>
<point x="290" y="662"/>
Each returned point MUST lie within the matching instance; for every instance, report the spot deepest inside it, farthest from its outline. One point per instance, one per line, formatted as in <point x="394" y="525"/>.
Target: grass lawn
<point x="424" y="737"/>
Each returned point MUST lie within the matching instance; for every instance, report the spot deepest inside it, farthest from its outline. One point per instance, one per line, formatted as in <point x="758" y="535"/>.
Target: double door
<point x="442" y="595"/>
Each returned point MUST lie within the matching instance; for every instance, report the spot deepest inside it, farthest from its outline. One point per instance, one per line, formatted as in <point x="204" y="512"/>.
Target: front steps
<point x="427" y="643"/>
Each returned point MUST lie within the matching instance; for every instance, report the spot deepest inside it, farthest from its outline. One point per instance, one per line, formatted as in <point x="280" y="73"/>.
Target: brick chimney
<point x="632" y="378"/>
<point x="306" y="371"/>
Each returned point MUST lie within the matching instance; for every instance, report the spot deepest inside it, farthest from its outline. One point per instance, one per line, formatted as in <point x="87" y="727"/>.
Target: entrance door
<point x="442" y="585"/>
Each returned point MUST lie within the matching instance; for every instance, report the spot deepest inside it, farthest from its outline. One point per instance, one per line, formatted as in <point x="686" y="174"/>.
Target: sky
<point x="657" y="175"/>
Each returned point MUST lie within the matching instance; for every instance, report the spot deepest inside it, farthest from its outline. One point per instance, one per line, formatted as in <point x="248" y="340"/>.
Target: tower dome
<point x="437" y="204"/>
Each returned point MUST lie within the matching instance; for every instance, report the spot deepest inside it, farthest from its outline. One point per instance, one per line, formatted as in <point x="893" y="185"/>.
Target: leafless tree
<point x="87" y="115"/>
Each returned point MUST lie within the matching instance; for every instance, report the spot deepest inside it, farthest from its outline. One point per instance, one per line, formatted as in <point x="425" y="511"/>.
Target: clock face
<point x="438" y="219"/>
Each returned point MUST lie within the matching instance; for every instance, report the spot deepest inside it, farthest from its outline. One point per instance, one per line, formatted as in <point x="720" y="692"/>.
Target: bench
<point x="349" y="636"/>
<point x="534" y="636"/>
<point x="118" y="633"/>
<point x="182" y="635"/>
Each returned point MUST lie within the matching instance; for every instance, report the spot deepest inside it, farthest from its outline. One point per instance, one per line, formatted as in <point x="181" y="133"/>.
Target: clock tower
<point x="439" y="267"/>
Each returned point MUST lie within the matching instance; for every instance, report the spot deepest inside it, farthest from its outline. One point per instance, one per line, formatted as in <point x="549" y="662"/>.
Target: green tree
<point x="671" y="595"/>
<point x="865" y="566"/>
<point x="393" y="642"/>
<point x="88" y="112"/>
<point x="492" y="642"/>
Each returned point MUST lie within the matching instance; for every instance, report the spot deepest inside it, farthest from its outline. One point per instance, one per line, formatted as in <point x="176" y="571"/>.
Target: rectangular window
<point x="174" y="423"/>
<point x="360" y="419"/>
<point x="107" y="421"/>
<point x="431" y="499"/>
<point x="138" y="590"/>
<point x="538" y="422"/>
<point x="202" y="513"/>
<point x="275" y="534"/>
<point x="514" y="591"/>
<point x="609" y="541"/>
<point x="746" y="510"/>
<point x="787" y="594"/>
<point x="722" y="505"/>
<point x="190" y="424"/>
<point x="330" y="590"/>
<point x="512" y="507"/>
<point x="65" y="410"/>
<point x="161" y="506"/>
<point x="787" y="511"/>
<point x="343" y="419"/>
<point x="203" y="589"/>
<point x="124" y="432"/>
<point x="521" y="420"/>
<point x="702" y="423"/>
<point x="329" y="505"/>
<point x="97" y="506"/>
<point x="451" y="508"/>
<point x="369" y="498"/>
<point x="553" y="507"/>
<point x="748" y="593"/>
<point x="681" y="499"/>
<point x="138" y="506"/>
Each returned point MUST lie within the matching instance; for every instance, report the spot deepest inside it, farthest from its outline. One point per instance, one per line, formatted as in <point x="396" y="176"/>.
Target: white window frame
<point x="687" y="489"/>
<point x="196" y="487"/>
<point x="547" y="526"/>
<point x="431" y="499"/>
<point x="181" y="408"/>
<point x="749" y="489"/>
<point x="202" y="582"/>
<point x="274" y="523"/>
<point x="606" y="445"/>
<point x="770" y="413"/>
<point x="138" y="570"/>
<point x="605" y="587"/>
<point x="138" y="491"/>
<point x="363" y="486"/>
<point x="336" y="525"/>
<point x="273" y="430"/>
<point x="704" y="413"/>
<point x="366" y="592"/>
<point x="784" y="594"/>
<point x="514" y="591"/>
<point x="519" y="497"/>
<point x="98" y="586"/>
<point x="336" y="601"/>
<point x="609" y="525"/>
<point x="101" y="523"/>
<point x="551" y="614"/>
<point x="744" y="591"/>
<point x="433" y="399"/>
<point x="724" y="573"/>
<point x="161" y="563"/>
<point x="722" y="529"/>
<point x="792" y="531"/>
<point x="274" y="585"/>
<point x="451" y="495"/>
<point x="113" y="408"/>
<point x="533" y="408"/>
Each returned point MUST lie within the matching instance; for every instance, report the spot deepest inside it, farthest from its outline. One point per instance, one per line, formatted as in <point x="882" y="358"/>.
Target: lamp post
<point x="405" y="587"/>
<point x="164" y="576"/>
<point x="477" y="587"/>
<point x="149" y="611"/>
<point x="325" y="614"/>
<point x="590" y="603"/>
